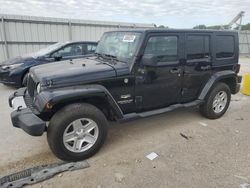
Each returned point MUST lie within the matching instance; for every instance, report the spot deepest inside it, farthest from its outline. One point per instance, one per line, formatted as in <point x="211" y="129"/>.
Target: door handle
<point x="205" y="67"/>
<point x="175" y="70"/>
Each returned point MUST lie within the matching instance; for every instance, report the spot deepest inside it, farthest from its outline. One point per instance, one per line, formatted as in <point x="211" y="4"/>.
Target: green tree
<point x="162" y="26"/>
<point x="200" y="27"/>
<point x="216" y="27"/>
<point x="246" y="27"/>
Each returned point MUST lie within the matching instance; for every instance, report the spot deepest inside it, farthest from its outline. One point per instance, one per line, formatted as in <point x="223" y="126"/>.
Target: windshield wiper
<point x="100" y="55"/>
<point x="108" y="57"/>
<point x="103" y="59"/>
<point x="111" y="58"/>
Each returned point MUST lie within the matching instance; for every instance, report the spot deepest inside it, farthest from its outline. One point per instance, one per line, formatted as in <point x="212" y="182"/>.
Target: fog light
<point x="49" y="106"/>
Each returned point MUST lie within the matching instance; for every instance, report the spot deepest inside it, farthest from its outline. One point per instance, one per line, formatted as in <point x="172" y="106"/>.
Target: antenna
<point x="237" y="20"/>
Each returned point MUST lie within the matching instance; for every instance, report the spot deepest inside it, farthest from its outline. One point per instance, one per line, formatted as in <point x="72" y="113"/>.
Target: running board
<point x="133" y="116"/>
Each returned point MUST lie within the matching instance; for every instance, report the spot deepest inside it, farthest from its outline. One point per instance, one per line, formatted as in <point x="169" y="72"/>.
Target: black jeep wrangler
<point x="133" y="74"/>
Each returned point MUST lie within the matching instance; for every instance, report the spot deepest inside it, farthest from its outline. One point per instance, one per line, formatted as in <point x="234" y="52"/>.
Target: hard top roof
<point x="149" y="30"/>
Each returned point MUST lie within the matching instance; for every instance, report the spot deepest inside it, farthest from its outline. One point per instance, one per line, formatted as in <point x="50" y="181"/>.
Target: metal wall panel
<point x="90" y="33"/>
<point x="2" y="52"/>
<point x="244" y="40"/>
<point x="1" y="32"/>
<point x="26" y="34"/>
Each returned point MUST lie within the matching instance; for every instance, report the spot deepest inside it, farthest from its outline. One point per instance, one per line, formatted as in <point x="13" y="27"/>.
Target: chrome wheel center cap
<point x="220" y="102"/>
<point x="80" y="135"/>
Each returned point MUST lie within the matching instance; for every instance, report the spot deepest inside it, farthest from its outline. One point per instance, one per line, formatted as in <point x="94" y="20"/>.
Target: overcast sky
<point x="173" y="13"/>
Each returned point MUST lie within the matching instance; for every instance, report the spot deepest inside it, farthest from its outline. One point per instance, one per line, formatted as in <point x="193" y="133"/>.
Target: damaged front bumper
<point x="5" y="78"/>
<point x="8" y="79"/>
<point x="23" y="117"/>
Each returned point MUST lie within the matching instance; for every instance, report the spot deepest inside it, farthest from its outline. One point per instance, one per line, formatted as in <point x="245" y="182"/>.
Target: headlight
<point x="38" y="88"/>
<point x="4" y="67"/>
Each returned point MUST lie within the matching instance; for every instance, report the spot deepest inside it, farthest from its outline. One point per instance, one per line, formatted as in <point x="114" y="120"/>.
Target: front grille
<point x="4" y="75"/>
<point x="31" y="86"/>
<point x="14" y="180"/>
<point x="29" y="103"/>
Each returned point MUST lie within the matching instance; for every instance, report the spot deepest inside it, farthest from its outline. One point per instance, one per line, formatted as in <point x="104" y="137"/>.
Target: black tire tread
<point x="206" y="108"/>
<point x="58" y="124"/>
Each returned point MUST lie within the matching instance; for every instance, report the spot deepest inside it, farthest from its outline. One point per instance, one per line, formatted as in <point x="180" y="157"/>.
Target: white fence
<point x="24" y="34"/>
<point x="244" y="42"/>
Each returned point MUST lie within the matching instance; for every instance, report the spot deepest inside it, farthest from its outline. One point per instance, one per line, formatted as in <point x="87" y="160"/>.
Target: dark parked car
<point x="134" y="74"/>
<point x="15" y="71"/>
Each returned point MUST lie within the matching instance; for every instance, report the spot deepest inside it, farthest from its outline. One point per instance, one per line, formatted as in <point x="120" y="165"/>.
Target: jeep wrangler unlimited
<point x="133" y="74"/>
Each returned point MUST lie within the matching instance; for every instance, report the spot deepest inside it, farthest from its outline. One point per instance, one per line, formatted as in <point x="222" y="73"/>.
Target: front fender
<point x="216" y="77"/>
<point x="63" y="95"/>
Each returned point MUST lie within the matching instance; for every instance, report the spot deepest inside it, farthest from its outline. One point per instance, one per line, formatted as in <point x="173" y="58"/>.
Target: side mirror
<point x="149" y="60"/>
<point x="57" y="57"/>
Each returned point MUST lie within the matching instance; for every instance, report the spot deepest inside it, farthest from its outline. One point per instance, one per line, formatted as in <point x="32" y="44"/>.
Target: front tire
<point x="217" y="102"/>
<point x="77" y="132"/>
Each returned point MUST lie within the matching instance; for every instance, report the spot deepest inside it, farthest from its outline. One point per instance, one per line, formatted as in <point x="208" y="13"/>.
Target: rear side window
<point x="224" y="46"/>
<point x="197" y="47"/>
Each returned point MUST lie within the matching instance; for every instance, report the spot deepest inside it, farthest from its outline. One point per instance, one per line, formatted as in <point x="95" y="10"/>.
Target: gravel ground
<point x="216" y="153"/>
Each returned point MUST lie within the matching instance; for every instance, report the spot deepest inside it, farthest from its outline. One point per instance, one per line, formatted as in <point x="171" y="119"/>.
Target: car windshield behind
<point x="50" y="48"/>
<point x="122" y="45"/>
<point x="45" y="51"/>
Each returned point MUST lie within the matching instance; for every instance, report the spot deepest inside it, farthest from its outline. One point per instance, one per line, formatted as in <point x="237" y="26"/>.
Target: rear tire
<point x="217" y="102"/>
<point x="71" y="135"/>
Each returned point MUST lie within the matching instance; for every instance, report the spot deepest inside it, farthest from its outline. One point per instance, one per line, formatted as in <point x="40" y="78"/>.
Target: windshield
<point x="50" y="48"/>
<point x="122" y="45"/>
<point x="45" y="51"/>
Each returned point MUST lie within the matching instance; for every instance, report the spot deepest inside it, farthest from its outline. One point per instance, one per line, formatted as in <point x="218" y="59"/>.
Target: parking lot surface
<point x="215" y="153"/>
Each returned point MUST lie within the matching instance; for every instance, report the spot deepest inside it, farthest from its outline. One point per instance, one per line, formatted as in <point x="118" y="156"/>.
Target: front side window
<point x="197" y="47"/>
<point x="122" y="45"/>
<point x="70" y="50"/>
<point x="164" y="48"/>
<point x="224" y="46"/>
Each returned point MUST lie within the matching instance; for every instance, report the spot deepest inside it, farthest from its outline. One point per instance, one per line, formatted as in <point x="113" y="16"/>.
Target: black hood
<point x="77" y="71"/>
